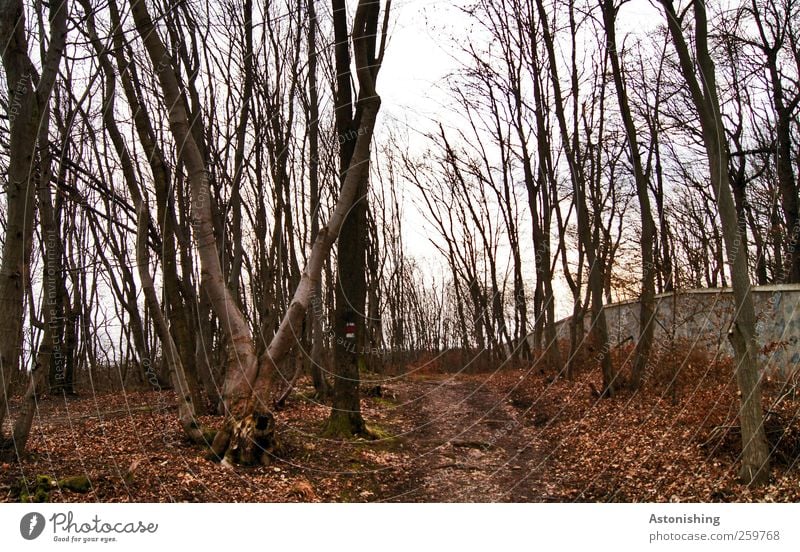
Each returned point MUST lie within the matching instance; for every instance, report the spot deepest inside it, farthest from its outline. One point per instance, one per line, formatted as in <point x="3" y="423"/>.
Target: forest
<point x="365" y="251"/>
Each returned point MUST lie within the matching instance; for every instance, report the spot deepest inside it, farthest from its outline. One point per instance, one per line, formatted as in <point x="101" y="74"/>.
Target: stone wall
<point x="702" y="317"/>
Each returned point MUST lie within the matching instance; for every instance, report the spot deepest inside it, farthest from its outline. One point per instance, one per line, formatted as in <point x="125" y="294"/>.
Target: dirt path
<point x="468" y="444"/>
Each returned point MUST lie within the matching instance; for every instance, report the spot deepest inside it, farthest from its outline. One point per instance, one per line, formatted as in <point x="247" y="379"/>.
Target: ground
<point x="513" y="435"/>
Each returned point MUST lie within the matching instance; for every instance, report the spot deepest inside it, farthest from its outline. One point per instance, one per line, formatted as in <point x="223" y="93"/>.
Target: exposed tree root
<point x="249" y="442"/>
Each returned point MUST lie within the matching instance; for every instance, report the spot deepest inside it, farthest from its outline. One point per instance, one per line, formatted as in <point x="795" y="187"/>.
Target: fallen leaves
<point x="647" y="446"/>
<point x="517" y="435"/>
<point x="135" y="451"/>
<point x="303" y="491"/>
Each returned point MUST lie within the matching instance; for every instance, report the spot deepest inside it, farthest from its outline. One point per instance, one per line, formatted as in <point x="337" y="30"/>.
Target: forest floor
<point x="512" y="435"/>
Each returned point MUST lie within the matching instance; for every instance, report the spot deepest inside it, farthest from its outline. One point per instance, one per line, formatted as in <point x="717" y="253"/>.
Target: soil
<point x="468" y="444"/>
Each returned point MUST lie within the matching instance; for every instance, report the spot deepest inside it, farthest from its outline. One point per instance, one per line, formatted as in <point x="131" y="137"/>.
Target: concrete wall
<point x="702" y="317"/>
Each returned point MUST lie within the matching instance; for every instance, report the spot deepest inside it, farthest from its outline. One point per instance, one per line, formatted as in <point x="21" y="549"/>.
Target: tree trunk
<point x="351" y="286"/>
<point x="50" y="357"/>
<point x="587" y="240"/>
<point x="186" y="410"/>
<point x="248" y="426"/>
<point x="742" y="334"/>
<point x="177" y="295"/>
<point x="321" y="385"/>
<point x="177" y="374"/>
<point x="27" y="103"/>
<point x="647" y="296"/>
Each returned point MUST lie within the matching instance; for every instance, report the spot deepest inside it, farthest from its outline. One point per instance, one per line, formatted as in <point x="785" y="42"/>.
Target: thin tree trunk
<point x="186" y="411"/>
<point x="579" y="183"/>
<point x="647" y="296"/>
<point x="321" y="385"/>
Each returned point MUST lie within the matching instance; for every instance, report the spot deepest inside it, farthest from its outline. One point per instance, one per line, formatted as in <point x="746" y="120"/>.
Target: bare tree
<point x="579" y="186"/>
<point x="28" y="111"/>
<point x="646" y="299"/>
<point x="701" y="80"/>
<point x="351" y="285"/>
<point x="248" y="431"/>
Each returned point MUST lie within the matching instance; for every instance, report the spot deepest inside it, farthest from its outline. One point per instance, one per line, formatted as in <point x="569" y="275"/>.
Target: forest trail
<point x="468" y="443"/>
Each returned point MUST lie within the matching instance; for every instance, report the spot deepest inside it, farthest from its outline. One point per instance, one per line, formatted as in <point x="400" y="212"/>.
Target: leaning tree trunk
<point x="178" y="295"/>
<point x="177" y="373"/>
<point x="242" y="361"/>
<point x="742" y="334"/>
<point x="241" y="438"/>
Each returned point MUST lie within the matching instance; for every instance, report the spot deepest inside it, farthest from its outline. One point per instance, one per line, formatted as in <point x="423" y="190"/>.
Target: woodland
<point x="231" y="271"/>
